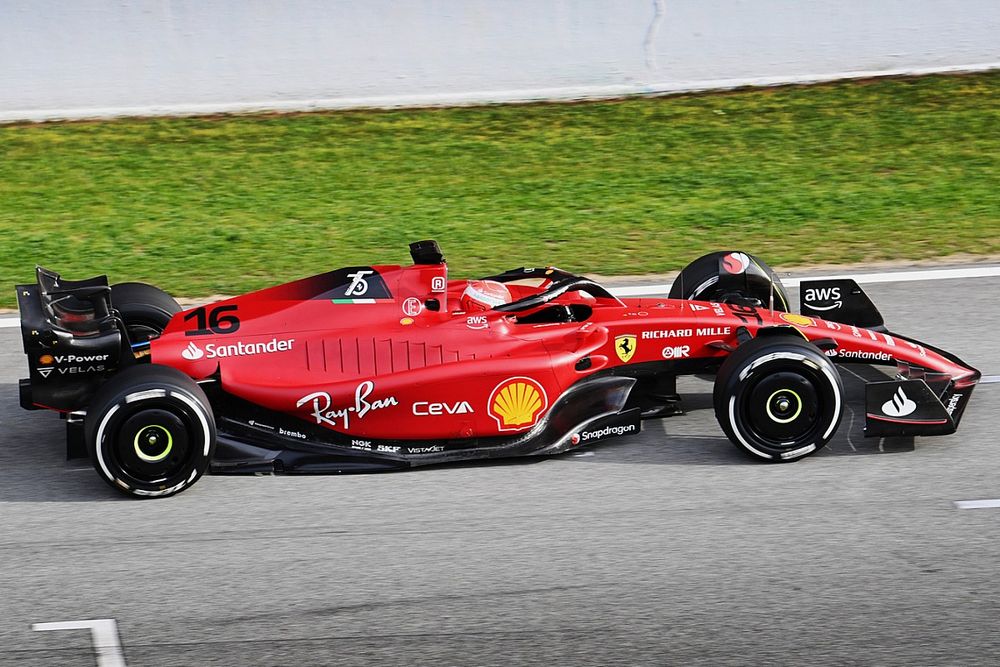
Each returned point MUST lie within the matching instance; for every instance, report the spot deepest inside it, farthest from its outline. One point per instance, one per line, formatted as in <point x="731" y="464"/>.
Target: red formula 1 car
<point x="385" y="367"/>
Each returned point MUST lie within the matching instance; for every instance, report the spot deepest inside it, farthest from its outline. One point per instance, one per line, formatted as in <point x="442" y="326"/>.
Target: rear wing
<point x="71" y="337"/>
<point x="81" y="307"/>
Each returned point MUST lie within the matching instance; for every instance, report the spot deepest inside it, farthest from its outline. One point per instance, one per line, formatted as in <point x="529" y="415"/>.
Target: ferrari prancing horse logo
<point x="625" y="346"/>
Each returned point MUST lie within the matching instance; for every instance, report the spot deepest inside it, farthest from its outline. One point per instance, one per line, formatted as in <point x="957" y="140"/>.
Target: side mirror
<point x="426" y="252"/>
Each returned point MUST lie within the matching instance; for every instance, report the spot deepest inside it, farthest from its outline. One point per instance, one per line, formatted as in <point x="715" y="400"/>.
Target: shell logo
<point x="798" y="320"/>
<point x="517" y="403"/>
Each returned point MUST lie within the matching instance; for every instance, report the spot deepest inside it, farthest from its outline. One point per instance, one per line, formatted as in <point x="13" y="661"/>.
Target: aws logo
<point x="517" y="403"/>
<point x="823" y="295"/>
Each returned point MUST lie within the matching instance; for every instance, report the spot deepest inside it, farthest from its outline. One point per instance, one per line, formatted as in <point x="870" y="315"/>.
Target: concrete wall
<point x="83" y="58"/>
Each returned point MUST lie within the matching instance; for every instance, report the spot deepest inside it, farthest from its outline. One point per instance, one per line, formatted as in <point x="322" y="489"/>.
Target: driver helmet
<point x="480" y="295"/>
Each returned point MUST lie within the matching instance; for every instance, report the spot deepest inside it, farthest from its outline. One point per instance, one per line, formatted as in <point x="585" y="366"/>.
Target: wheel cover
<point x="153" y="443"/>
<point x="781" y="405"/>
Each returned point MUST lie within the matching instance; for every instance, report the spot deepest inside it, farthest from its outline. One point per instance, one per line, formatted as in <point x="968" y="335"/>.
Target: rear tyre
<point x="145" y="309"/>
<point x="730" y="277"/>
<point x="778" y="398"/>
<point x="150" y="431"/>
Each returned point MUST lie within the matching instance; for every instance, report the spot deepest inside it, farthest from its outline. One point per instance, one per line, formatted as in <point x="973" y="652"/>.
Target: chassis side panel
<point x="252" y="440"/>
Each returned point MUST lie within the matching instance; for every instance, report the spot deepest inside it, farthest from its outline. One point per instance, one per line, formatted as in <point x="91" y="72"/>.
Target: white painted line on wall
<point x="977" y="504"/>
<point x="103" y="634"/>
<point x="468" y="98"/>
<point x="990" y="379"/>
<point x="912" y="276"/>
<point x="861" y="279"/>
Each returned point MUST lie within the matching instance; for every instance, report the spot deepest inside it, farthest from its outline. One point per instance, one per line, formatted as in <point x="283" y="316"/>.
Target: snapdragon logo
<point x="212" y="351"/>
<point x="736" y="262"/>
<point x="608" y="431"/>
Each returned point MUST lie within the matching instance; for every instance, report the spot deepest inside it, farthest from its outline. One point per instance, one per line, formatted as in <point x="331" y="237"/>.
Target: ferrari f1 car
<point x="371" y="368"/>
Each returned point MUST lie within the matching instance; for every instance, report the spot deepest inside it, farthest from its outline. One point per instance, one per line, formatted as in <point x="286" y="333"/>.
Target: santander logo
<point x="239" y="349"/>
<point x="899" y="405"/>
<point x="192" y="352"/>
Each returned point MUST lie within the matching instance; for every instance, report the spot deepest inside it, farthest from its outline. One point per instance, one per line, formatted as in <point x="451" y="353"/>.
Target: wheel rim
<point x="783" y="406"/>
<point x="782" y="409"/>
<point x="151" y="444"/>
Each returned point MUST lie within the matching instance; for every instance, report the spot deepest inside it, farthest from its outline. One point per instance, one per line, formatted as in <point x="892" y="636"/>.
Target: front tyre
<point x="778" y="398"/>
<point x="730" y="277"/>
<point x="150" y="431"/>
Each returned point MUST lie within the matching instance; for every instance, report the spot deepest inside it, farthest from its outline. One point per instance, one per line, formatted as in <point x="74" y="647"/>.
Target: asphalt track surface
<point x="668" y="547"/>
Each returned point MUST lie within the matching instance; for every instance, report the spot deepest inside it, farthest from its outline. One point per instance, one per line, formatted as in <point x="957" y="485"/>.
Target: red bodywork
<point x="395" y="368"/>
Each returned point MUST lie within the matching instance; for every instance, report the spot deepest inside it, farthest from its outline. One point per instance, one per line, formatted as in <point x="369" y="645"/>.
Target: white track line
<point x="860" y="278"/>
<point x="909" y="276"/>
<point x="562" y="93"/>
<point x="990" y="379"/>
<point x="103" y="633"/>
<point x="977" y="504"/>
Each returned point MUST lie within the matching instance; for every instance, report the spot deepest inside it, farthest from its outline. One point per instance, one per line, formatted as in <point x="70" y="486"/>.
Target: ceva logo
<point x="192" y="352"/>
<point x="425" y="409"/>
<point x="899" y="405"/>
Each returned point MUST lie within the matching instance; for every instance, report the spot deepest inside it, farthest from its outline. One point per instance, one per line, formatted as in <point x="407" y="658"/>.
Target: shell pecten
<point x="516" y="403"/>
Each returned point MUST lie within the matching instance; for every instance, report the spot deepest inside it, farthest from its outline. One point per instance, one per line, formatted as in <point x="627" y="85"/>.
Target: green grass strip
<point x="847" y="172"/>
